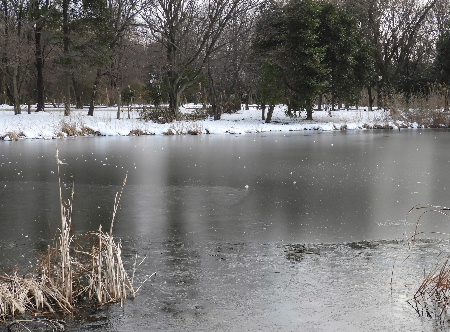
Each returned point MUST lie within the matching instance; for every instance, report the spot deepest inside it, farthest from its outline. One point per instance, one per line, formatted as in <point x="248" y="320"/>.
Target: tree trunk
<point x="213" y="96"/>
<point x="16" y="94"/>
<point x="4" y="57"/>
<point x="218" y="111"/>
<point x="270" y="113"/>
<point x="380" y="102"/>
<point x="309" y="112"/>
<point x="446" y="99"/>
<point x="107" y="99"/>
<point x="39" y="68"/>
<point x="215" y="106"/>
<point x="369" y="93"/>
<point x="76" y="89"/>
<point x="220" y="106"/>
<point x="263" y="110"/>
<point x="331" y="109"/>
<point x="10" y="96"/>
<point x="119" y="103"/>
<point x="94" y="93"/>
<point x="319" y="102"/>
<point x="237" y="103"/>
<point x="2" y="84"/>
<point x="204" y="100"/>
<point x="66" y="57"/>
<point x="213" y="101"/>
<point x="174" y="101"/>
<point x="67" y="109"/>
<point x="173" y="77"/>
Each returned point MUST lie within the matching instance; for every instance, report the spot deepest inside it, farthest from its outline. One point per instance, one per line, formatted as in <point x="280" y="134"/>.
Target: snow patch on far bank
<point x="49" y="124"/>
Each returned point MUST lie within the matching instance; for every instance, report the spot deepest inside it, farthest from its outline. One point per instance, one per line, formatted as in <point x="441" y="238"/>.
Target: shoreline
<point x="52" y="124"/>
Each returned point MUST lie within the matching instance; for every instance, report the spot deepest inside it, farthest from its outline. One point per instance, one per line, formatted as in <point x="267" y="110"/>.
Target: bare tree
<point x="228" y="68"/>
<point x="66" y="55"/>
<point x="396" y="31"/>
<point x="190" y="31"/>
<point x="441" y="13"/>
<point x="117" y="28"/>
<point x="39" y="12"/>
<point x="16" y="50"/>
<point x="5" y="8"/>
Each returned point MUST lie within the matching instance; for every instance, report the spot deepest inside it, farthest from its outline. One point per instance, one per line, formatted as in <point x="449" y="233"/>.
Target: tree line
<point x="222" y="53"/>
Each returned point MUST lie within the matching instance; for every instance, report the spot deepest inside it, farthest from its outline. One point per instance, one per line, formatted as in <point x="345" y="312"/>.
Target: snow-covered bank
<point x="52" y="123"/>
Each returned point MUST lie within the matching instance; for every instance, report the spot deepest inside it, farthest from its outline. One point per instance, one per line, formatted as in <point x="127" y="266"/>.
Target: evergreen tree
<point x="442" y="61"/>
<point x="346" y="55"/>
<point x="306" y="73"/>
<point x="442" y="65"/>
<point x="267" y="45"/>
<point x="317" y="49"/>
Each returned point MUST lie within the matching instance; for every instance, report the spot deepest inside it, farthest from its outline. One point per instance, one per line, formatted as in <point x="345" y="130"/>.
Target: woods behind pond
<point x="223" y="53"/>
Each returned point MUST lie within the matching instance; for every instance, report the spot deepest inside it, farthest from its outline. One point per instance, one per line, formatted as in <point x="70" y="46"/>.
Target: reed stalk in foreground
<point x="432" y="298"/>
<point x="75" y="272"/>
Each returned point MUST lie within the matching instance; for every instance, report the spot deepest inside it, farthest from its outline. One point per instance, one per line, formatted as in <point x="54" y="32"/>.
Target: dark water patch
<point x="36" y="325"/>
<point x="363" y="245"/>
<point x="297" y="252"/>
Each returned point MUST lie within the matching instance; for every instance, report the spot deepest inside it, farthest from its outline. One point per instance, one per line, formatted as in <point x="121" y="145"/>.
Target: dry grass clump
<point x="19" y="294"/>
<point x="378" y="126"/>
<point x="69" y="128"/>
<point x="74" y="273"/>
<point x="13" y="135"/>
<point x="169" y="132"/>
<point x="185" y="128"/>
<point x="87" y="131"/>
<point x="427" y="118"/>
<point x="138" y="132"/>
<point x="72" y="128"/>
<point x="432" y="298"/>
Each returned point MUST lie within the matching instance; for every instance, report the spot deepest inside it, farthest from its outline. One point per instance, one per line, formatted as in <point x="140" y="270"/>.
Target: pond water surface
<point x="271" y="232"/>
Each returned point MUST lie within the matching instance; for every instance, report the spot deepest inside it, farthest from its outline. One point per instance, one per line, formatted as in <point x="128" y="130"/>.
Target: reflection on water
<point x="291" y="232"/>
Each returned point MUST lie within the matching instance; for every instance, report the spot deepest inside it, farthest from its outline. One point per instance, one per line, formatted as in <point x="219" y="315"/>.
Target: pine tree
<point x="442" y="65"/>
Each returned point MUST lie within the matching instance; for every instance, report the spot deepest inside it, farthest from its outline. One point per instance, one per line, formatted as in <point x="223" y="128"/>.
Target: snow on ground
<point x="50" y="124"/>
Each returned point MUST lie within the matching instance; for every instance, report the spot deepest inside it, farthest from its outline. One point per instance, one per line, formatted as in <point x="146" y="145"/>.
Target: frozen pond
<point x="301" y="231"/>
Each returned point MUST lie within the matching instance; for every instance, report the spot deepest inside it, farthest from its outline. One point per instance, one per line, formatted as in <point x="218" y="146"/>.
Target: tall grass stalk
<point x="75" y="272"/>
<point x="432" y="298"/>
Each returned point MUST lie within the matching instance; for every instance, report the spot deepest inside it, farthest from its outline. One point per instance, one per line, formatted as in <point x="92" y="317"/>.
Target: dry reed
<point x="13" y="135"/>
<point x="74" y="273"/>
<point x="432" y="298"/>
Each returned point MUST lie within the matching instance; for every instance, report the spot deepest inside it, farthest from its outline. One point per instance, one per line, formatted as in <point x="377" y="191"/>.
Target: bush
<point x="163" y="115"/>
<point x="197" y="114"/>
<point x="156" y="114"/>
